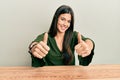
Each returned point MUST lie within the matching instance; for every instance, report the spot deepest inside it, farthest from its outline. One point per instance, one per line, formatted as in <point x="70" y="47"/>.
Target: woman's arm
<point x="85" y="49"/>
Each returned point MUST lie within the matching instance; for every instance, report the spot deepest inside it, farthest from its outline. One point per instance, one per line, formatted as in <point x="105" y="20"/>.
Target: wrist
<point x="32" y="45"/>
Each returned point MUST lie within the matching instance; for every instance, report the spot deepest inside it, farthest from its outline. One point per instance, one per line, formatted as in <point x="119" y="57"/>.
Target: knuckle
<point x="48" y="48"/>
<point x="35" y="49"/>
<point x="46" y="52"/>
<point x="40" y="42"/>
<point x="35" y="54"/>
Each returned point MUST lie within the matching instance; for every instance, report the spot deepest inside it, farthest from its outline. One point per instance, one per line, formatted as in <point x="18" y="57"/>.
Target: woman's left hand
<point x="82" y="48"/>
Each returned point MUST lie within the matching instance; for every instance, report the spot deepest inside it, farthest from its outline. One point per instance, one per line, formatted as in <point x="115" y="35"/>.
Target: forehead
<point x="66" y="15"/>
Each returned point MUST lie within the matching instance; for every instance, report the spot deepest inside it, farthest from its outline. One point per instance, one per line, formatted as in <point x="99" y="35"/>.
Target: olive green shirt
<point x="54" y="56"/>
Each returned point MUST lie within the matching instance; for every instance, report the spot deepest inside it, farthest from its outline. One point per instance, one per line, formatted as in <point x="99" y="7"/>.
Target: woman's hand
<point x="83" y="48"/>
<point x="41" y="49"/>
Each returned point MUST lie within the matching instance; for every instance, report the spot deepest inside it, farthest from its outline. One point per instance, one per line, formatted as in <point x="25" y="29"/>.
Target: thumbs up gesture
<point x="82" y="48"/>
<point x="41" y="49"/>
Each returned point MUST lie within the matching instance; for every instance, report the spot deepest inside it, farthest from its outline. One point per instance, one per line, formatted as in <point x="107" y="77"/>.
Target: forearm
<point x="87" y="60"/>
<point x="36" y="62"/>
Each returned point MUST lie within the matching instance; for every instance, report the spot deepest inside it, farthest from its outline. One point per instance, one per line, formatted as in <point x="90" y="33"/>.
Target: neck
<point x="60" y="36"/>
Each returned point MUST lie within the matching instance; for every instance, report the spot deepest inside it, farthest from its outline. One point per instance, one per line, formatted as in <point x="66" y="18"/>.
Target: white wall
<point x="22" y="20"/>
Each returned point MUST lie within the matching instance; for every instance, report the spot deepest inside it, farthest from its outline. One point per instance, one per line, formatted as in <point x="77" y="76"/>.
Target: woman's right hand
<point x="41" y="49"/>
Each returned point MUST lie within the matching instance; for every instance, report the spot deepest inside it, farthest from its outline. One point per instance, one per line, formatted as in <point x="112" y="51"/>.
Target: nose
<point x="65" y="23"/>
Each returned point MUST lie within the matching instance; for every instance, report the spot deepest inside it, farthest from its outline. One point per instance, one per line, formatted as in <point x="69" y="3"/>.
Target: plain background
<point x="21" y="21"/>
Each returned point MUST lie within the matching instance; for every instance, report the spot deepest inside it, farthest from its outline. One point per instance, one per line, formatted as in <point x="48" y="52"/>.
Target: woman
<point x="57" y="47"/>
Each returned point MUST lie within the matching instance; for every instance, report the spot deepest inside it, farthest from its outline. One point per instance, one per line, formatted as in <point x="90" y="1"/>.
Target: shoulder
<point x="39" y="37"/>
<point x="75" y="35"/>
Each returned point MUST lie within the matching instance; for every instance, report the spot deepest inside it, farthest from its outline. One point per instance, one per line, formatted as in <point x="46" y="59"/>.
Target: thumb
<point x="84" y="45"/>
<point x="45" y="38"/>
<point x="79" y="38"/>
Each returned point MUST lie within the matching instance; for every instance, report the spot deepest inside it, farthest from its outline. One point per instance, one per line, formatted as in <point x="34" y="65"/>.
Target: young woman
<point x="57" y="46"/>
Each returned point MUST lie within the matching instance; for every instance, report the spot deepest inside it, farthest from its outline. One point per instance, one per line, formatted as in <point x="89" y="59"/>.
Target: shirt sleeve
<point x="85" y="61"/>
<point x="36" y="62"/>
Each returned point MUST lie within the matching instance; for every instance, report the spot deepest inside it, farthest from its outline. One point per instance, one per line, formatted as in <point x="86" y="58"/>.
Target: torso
<point x="59" y="43"/>
<point x="59" y="40"/>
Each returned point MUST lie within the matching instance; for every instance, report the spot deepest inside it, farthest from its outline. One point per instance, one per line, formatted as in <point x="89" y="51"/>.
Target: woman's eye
<point x="69" y="21"/>
<point x="62" y="19"/>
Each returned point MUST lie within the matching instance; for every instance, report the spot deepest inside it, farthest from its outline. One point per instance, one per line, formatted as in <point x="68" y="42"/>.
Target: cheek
<point x="60" y="22"/>
<point x="58" y="25"/>
<point x="68" y="24"/>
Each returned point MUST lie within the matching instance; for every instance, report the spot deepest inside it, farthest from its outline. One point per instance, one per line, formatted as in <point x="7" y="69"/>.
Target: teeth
<point x="63" y="27"/>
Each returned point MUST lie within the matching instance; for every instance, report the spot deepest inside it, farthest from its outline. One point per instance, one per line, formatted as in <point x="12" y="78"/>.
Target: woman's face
<point x="64" y="21"/>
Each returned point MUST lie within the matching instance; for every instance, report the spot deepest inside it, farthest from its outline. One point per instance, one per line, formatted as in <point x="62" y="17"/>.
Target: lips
<point x="63" y="27"/>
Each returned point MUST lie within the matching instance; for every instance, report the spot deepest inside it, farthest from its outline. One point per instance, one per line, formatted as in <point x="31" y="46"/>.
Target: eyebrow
<point x="65" y="18"/>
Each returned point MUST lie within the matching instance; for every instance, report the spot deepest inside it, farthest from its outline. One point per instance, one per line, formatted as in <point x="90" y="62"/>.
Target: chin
<point x="62" y="31"/>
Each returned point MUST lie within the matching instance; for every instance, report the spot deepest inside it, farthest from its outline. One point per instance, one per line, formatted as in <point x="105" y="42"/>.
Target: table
<point x="91" y="72"/>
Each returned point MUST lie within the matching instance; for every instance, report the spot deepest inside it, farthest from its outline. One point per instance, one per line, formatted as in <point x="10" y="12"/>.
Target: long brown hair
<point x="67" y="53"/>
